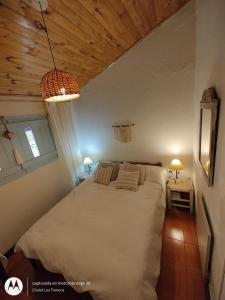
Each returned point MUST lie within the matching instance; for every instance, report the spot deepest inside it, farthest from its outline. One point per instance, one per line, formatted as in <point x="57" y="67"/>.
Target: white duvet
<point x="108" y="236"/>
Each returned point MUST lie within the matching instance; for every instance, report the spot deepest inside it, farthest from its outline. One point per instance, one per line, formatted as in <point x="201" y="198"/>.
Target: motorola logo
<point x="13" y="286"/>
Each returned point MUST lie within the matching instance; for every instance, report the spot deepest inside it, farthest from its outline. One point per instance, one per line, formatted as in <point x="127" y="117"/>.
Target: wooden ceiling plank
<point x="160" y="10"/>
<point x="64" y="38"/>
<point x="121" y="11"/>
<point x="20" y="69"/>
<point x="15" y="87"/>
<point x="16" y="65"/>
<point x="89" y="44"/>
<point x="6" y="21"/>
<point x="35" y="49"/>
<point x="18" y="82"/>
<point x="20" y="77"/>
<point x="147" y="8"/>
<point x="78" y="9"/>
<point x="173" y="6"/>
<point x="10" y="41"/>
<point x="100" y="10"/>
<point x="24" y="9"/>
<point x="135" y="16"/>
<point x="92" y="36"/>
<point x="7" y="67"/>
<point x="20" y="98"/>
<point x="17" y="62"/>
<point x="14" y="6"/>
<point x="58" y="36"/>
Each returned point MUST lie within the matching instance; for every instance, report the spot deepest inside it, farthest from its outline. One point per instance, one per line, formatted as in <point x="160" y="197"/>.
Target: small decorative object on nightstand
<point x="180" y="194"/>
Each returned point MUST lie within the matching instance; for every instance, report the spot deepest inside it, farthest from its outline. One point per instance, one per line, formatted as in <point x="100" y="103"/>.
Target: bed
<point x="109" y="238"/>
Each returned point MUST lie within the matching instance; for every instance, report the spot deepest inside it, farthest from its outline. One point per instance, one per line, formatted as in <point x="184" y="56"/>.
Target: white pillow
<point x="156" y="174"/>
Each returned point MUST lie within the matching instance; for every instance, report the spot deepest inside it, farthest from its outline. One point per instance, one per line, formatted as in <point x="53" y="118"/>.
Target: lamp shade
<point x="176" y="165"/>
<point x="58" y="86"/>
<point x="207" y="166"/>
<point x="87" y="161"/>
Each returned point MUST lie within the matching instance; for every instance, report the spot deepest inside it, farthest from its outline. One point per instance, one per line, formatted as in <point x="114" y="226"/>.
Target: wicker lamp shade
<point x="58" y="86"/>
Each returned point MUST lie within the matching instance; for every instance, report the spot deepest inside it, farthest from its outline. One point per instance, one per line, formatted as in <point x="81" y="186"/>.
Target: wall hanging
<point x="123" y="131"/>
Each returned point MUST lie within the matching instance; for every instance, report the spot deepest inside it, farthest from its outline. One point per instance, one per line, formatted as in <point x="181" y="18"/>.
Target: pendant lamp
<point x="57" y="85"/>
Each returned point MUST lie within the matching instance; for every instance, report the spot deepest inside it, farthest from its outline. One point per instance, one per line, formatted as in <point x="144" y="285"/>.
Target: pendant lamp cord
<point x="46" y="30"/>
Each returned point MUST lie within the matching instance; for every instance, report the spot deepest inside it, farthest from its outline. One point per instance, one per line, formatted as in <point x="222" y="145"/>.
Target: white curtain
<point x="62" y="119"/>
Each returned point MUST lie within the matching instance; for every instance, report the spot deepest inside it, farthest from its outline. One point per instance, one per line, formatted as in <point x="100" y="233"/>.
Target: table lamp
<point x="176" y="165"/>
<point x="88" y="161"/>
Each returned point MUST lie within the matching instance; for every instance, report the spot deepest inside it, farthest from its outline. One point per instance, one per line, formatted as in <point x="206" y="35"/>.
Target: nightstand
<point x="180" y="194"/>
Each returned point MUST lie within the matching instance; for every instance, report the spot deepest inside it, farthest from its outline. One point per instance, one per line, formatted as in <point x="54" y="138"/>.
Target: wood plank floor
<point x="180" y="278"/>
<point x="181" y="275"/>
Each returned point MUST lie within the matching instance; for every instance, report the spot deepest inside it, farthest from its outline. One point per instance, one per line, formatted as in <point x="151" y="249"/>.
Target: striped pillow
<point x="133" y="167"/>
<point x="116" y="167"/>
<point x="103" y="175"/>
<point x="128" y="180"/>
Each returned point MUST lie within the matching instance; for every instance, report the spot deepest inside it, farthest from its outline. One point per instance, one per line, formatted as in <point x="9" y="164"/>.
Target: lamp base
<point x="89" y="169"/>
<point x="176" y="179"/>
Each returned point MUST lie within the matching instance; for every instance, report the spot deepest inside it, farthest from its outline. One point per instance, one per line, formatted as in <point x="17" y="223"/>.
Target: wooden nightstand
<point x="180" y="194"/>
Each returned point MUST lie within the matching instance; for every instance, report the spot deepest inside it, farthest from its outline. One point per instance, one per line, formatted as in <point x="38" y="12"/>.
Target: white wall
<point x="210" y="71"/>
<point x="26" y="199"/>
<point x="151" y="85"/>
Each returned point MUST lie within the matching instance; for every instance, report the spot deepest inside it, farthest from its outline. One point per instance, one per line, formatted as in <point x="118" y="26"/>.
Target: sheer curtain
<point x="62" y="120"/>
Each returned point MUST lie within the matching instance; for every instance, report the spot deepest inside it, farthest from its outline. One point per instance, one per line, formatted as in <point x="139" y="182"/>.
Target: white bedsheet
<point x="108" y="236"/>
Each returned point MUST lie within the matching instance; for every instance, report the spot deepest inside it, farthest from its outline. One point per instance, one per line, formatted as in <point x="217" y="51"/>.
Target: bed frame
<point x="158" y="164"/>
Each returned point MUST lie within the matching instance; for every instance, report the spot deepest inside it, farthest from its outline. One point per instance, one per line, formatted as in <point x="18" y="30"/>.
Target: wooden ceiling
<point x="86" y="36"/>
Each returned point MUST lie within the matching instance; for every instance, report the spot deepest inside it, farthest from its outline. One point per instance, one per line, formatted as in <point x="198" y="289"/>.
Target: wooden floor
<point x="180" y="278"/>
<point x="181" y="275"/>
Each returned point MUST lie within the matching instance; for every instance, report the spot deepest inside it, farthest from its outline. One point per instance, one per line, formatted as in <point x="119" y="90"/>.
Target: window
<point x="32" y="138"/>
<point x="32" y="141"/>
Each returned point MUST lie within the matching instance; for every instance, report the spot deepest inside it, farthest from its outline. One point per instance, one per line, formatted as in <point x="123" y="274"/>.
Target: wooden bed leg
<point x="3" y="275"/>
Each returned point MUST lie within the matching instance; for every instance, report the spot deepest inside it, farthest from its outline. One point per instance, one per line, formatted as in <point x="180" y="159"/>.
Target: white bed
<point x="110" y="237"/>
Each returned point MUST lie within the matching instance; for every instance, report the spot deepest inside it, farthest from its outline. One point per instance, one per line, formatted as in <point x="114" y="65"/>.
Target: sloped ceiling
<point x="86" y="36"/>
